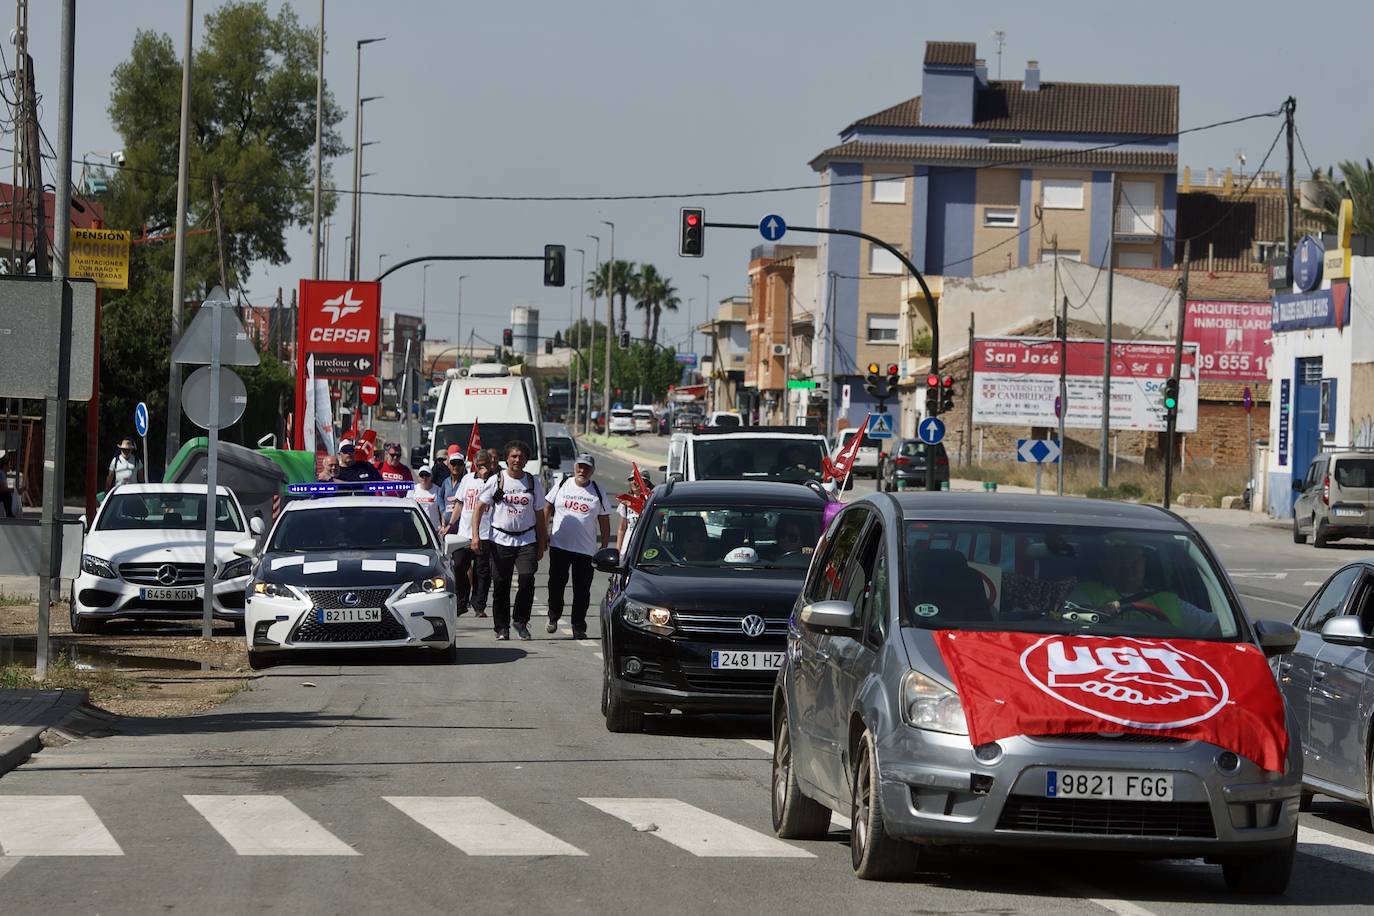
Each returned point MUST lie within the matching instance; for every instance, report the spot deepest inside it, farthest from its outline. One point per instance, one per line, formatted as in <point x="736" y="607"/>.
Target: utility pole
<point x="179" y="254"/>
<point x="1171" y="420"/>
<point x="458" y="331"/>
<point x="787" y="354"/>
<point x="832" y="399"/>
<point x="1104" y="447"/>
<point x="577" y="352"/>
<point x="1290" y="107"/>
<point x="33" y="175"/>
<point x="1063" y="385"/>
<point x="357" y="149"/>
<point x="591" y="345"/>
<point x="610" y="327"/>
<point x="319" y="135"/>
<point x="968" y="387"/>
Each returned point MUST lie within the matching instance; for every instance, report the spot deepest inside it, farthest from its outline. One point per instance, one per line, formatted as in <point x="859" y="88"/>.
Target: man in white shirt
<point x="427" y="497"/>
<point x="580" y="525"/>
<point x="125" y="466"/>
<point x="472" y="595"/>
<point x="519" y="534"/>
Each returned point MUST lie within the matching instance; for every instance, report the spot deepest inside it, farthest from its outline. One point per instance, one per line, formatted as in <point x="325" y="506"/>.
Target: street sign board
<point x="101" y="255"/>
<point x="844" y="398"/>
<point x="195" y="398"/>
<point x="802" y="383"/>
<point x="369" y="390"/>
<point x="29" y="307"/>
<point x="196" y="343"/>
<point x="1037" y="451"/>
<point x="931" y="430"/>
<point x="344" y="365"/>
<point x="141" y="418"/>
<point x="686" y="359"/>
<point x="1247" y="399"/>
<point x="772" y="227"/>
<point x="879" y="426"/>
<point x="340" y="316"/>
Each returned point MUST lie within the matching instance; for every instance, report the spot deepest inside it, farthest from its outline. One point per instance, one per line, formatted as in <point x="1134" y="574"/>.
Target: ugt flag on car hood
<point x="1034" y="684"/>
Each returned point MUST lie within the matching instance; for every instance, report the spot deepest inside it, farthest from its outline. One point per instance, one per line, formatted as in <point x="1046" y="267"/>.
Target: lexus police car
<point x="353" y="567"/>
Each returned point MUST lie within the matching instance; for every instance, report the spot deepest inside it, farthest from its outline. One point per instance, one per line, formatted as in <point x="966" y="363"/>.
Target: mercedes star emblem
<point x="167" y="574"/>
<point x="349" y="599"/>
<point x="752" y="625"/>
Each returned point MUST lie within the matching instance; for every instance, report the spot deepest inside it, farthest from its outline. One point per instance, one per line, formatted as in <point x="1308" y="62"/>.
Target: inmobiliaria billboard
<point x="1016" y="383"/>
<point x="1234" y="339"/>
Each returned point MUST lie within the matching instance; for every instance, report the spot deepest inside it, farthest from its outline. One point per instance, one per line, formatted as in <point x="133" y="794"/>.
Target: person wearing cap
<point x="451" y="487"/>
<point x="353" y="471"/>
<point x="579" y="526"/>
<point x="125" y="466"/>
<point x="393" y="469"/>
<point x="628" y="516"/>
<point x="426" y="497"/>
<point x="440" y="467"/>
<point x="514" y="499"/>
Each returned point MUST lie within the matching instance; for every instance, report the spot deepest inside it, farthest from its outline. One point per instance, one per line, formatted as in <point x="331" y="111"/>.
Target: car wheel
<point x="1298" y="536"/>
<point x="1265" y="874"/>
<point x="260" y="661"/>
<point x="1318" y="533"/>
<point x="83" y="625"/>
<point x="874" y="855"/>
<point x="795" y="817"/>
<point x="620" y="718"/>
<point x="237" y="627"/>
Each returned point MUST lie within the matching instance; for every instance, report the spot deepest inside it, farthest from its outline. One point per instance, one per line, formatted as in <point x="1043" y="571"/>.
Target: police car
<point x="351" y="567"/>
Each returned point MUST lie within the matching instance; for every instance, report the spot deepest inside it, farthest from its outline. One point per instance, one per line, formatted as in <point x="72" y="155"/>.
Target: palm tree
<point x="648" y="291"/>
<point x="626" y="281"/>
<point x="1357" y="183"/>
<point x="598" y="282"/>
<point x="667" y="299"/>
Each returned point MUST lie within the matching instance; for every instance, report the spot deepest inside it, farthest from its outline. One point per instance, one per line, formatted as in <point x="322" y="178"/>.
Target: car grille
<point x="386" y="630"/>
<point x="1107" y="818"/>
<point x="332" y="598"/>
<point x="1124" y="737"/>
<point x="704" y="677"/>
<point x="146" y="573"/>
<point x="725" y="624"/>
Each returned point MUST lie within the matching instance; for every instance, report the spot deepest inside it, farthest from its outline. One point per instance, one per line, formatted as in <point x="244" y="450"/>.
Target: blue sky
<point x="606" y="97"/>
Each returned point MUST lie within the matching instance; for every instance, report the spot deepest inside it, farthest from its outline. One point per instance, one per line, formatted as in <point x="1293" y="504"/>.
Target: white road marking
<point x="699" y="832"/>
<point x="1273" y="576"/>
<point x="839" y="822"/>
<point x="479" y="828"/>
<point x="1250" y="597"/>
<point x="1310" y="584"/>
<point x="761" y="744"/>
<point x="267" y="825"/>
<point x="7" y="863"/>
<point x="1111" y="904"/>
<point x="1338" y="849"/>
<point x="52" y="825"/>
<point x="599" y="655"/>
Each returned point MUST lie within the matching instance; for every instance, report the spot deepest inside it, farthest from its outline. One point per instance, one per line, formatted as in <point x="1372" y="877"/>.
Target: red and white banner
<point x="1235" y="339"/>
<point x="1016" y="383"/>
<point x="1032" y="684"/>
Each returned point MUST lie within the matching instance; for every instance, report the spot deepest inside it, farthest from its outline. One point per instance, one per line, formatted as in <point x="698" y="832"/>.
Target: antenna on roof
<point x="1000" y="37"/>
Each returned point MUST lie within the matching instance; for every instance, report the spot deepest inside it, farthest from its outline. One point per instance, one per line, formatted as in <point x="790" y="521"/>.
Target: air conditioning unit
<point x="779" y="349"/>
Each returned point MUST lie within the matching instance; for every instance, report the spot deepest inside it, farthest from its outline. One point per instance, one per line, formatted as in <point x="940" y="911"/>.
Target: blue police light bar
<point x="348" y="489"/>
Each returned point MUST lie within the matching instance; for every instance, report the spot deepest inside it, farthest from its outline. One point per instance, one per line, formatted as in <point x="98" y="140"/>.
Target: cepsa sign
<point x="341" y="318"/>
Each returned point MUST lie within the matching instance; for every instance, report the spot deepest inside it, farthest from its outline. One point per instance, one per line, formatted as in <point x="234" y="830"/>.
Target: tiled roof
<point x="996" y="154"/>
<point x="1228" y="226"/>
<point x="951" y="53"/>
<point x="1093" y="108"/>
<point x="1232" y="391"/>
<point x="1219" y="285"/>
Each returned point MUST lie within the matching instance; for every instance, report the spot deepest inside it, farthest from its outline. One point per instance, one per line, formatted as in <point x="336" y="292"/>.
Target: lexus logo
<point x="752" y="625"/>
<point x="167" y="574"/>
<point x="349" y="599"/>
<point x="342" y="306"/>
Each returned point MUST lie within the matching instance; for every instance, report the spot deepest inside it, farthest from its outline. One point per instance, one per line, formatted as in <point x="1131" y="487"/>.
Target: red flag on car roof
<point x="840" y="468"/>
<point x="474" y="444"/>
<point x="635" y="501"/>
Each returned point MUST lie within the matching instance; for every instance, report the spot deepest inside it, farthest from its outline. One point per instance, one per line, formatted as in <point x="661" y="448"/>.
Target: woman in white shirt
<point x="628" y="516"/>
<point x="473" y="590"/>
<point x="427" y="497"/>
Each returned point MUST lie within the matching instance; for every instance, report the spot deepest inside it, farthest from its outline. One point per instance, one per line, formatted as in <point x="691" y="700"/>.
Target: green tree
<point x="648" y="292"/>
<point x="667" y="300"/>
<point x="1357" y="184"/>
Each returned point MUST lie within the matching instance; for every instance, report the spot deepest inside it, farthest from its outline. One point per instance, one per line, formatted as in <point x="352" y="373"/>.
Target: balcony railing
<point x="1136" y="220"/>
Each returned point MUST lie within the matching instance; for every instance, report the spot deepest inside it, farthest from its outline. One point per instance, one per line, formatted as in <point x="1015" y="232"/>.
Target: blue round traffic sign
<point x="1307" y="263"/>
<point x="772" y="227"/>
<point x="141" y="418"/>
<point x="931" y="430"/>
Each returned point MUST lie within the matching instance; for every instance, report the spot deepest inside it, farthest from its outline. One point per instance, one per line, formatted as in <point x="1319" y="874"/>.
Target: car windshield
<point x="396" y="527"/>
<point x="792" y="459"/>
<point x="726" y="420"/>
<point x="1355" y="472"/>
<point x="165" y="511"/>
<point x="493" y="435"/>
<point x="759" y="537"/>
<point x="913" y="448"/>
<point x="1049" y="578"/>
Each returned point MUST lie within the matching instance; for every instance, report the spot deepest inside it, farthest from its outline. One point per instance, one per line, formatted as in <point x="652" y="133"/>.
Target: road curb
<point x="20" y="742"/>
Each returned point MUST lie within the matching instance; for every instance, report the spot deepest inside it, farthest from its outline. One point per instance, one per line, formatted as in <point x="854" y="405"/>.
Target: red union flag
<point x="1032" y="684"/>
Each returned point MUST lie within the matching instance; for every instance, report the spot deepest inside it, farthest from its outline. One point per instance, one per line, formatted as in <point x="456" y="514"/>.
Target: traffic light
<point x="1169" y="395"/>
<point x="624" y="340"/>
<point x="692" y="233"/>
<point x="874" y="380"/>
<point x="507" y="338"/>
<point x="548" y="347"/>
<point x="947" y="394"/>
<point x="555" y="257"/>
<point x="932" y="395"/>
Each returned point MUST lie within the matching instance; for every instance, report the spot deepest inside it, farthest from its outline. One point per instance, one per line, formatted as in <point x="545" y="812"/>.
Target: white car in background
<point x="144" y="557"/>
<point x="868" y="461"/>
<point x="622" y="423"/>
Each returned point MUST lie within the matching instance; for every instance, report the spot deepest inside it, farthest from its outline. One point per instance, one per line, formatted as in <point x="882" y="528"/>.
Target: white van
<point x="505" y="407"/>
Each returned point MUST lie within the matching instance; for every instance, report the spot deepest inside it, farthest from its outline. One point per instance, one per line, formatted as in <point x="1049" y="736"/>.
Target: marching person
<point x="450" y="489"/>
<point x="519" y="535"/>
<point x="125" y="466"/>
<point x="329" y="469"/>
<point x="353" y="471"/>
<point x="440" y="467"/>
<point x="473" y="591"/>
<point x="579" y="526"/>
<point x="392" y="468"/>
<point x="427" y="498"/>
<point x="628" y="516"/>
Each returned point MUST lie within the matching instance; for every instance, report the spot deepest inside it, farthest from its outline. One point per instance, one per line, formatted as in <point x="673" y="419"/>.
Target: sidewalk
<point x="25" y="715"/>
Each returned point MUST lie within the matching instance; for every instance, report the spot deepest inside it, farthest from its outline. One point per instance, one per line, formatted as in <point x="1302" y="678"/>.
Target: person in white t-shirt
<point x="628" y="516"/>
<point x="472" y="594"/>
<point x="519" y="534"/>
<point x="427" y="497"/>
<point x="125" y="467"/>
<point x="579" y="526"/>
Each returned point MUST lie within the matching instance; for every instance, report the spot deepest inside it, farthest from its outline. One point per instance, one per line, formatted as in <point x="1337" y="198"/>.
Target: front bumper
<point x="98" y="598"/>
<point x="677" y="672"/>
<point x="935" y="791"/>
<point x="289" y="622"/>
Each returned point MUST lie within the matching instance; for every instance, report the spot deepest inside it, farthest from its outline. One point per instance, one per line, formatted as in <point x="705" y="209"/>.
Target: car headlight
<point x="928" y="704"/>
<point x="426" y="586"/>
<point x="273" y="590"/>
<point x="647" y="617"/>
<point x="97" y="567"/>
<point x="236" y="568"/>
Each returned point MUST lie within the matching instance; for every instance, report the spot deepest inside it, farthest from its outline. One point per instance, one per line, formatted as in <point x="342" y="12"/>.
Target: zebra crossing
<point x="273" y="825"/>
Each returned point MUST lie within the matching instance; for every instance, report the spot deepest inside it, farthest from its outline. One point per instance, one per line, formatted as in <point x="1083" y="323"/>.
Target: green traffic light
<point x="1170" y="403"/>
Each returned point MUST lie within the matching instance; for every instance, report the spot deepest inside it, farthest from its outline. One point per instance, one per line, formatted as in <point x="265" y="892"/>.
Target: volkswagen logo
<point x="752" y="625"/>
<point x="167" y="574"/>
<point x="349" y="599"/>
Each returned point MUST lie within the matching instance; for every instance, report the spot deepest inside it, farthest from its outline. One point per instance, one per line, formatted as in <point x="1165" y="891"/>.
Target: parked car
<point x="688" y="420"/>
<point x="1335" y="498"/>
<point x="1120" y="697"/>
<point x="906" y="467"/>
<point x="644" y="419"/>
<point x="622" y="423"/>
<point x="1329" y="682"/>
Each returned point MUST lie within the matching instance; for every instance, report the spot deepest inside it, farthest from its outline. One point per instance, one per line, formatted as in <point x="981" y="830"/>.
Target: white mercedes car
<point x="144" y="557"/>
<point x="349" y="572"/>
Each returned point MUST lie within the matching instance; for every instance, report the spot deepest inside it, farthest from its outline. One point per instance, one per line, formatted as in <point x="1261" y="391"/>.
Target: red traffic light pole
<point x="931" y="483"/>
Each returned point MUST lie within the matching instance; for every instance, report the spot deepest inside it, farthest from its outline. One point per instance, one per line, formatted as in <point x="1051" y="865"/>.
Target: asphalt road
<point x="357" y="785"/>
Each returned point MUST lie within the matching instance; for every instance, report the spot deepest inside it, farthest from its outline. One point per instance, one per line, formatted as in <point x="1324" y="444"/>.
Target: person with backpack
<point x="579" y="525"/>
<point x="519" y="534"/>
<point x="472" y="590"/>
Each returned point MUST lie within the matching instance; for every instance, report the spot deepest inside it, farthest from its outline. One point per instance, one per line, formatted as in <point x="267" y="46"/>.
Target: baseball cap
<point x="643" y="476"/>
<point x="586" y="459"/>
<point x="425" y="472"/>
<point x="346" y="448"/>
<point x="344" y="441"/>
<point x="455" y="451"/>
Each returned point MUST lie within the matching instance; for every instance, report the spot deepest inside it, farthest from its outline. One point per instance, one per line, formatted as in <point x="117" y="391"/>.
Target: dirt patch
<point x="133" y="668"/>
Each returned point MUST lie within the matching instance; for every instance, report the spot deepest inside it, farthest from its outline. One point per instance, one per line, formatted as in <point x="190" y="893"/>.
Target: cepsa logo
<point x="1138" y="682"/>
<point x="340" y="316"/>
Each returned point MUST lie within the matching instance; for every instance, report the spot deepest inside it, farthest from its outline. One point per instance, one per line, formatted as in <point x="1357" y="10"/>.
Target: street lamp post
<point x="319" y="135"/>
<point x="458" y="330"/>
<point x="691" y="328"/>
<point x="424" y="297"/>
<point x="568" y="343"/>
<point x="379" y="261"/>
<point x="577" y="352"/>
<point x="610" y="323"/>
<point x="358" y="197"/>
<point x="591" y="345"/>
<point x="357" y="146"/>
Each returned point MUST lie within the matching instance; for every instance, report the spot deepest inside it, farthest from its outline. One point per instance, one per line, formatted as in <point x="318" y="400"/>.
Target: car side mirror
<point x="245" y="547"/>
<point x="1346" y="631"/>
<point x="849" y="482"/>
<point x="607" y="560"/>
<point x="831" y="617"/>
<point x="1276" y="637"/>
<point x="256" y="525"/>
